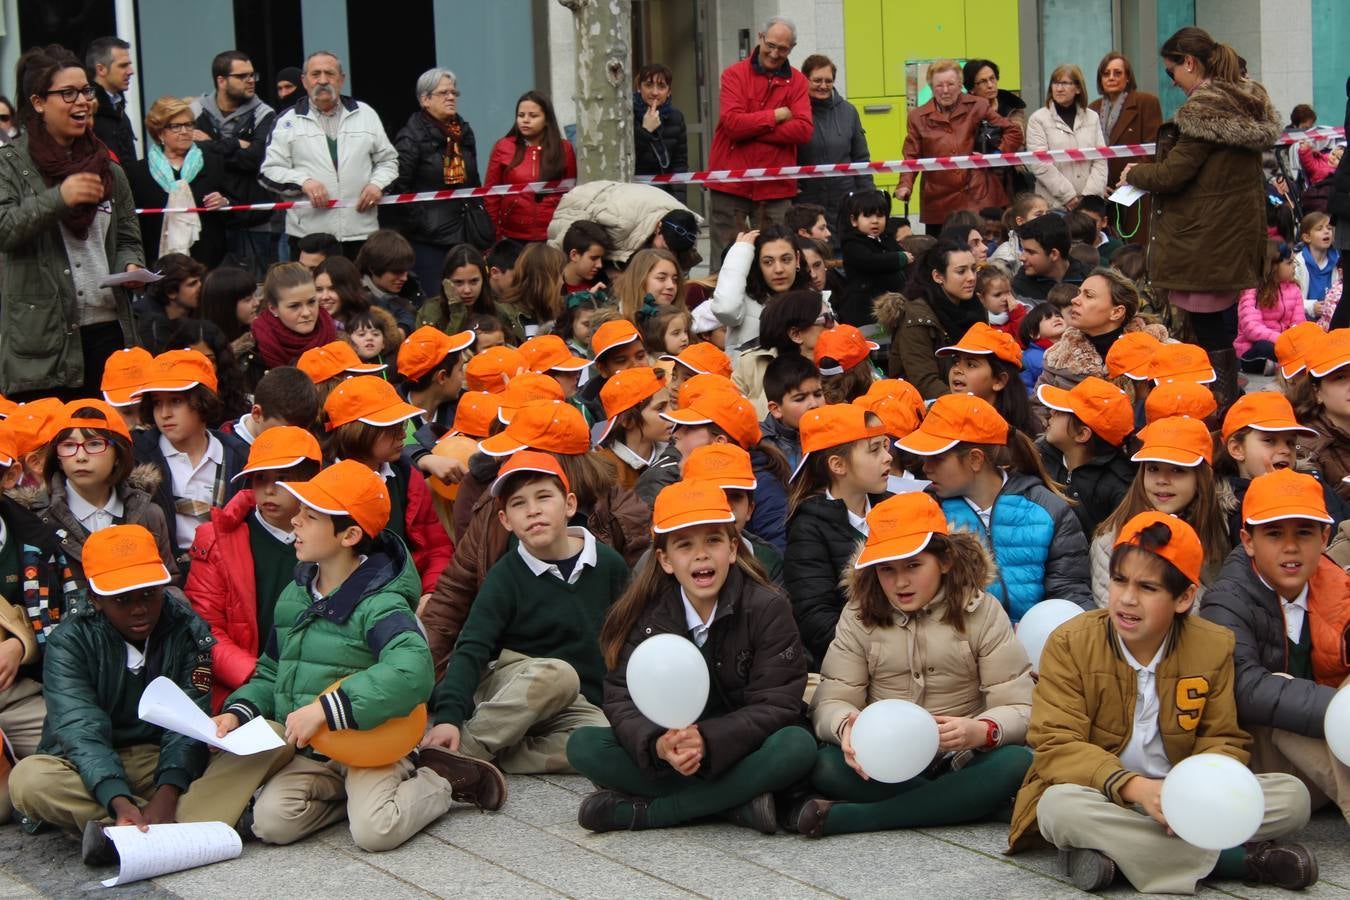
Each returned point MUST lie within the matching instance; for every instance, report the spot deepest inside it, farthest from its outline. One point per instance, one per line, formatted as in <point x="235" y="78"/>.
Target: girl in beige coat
<point x="919" y="626"/>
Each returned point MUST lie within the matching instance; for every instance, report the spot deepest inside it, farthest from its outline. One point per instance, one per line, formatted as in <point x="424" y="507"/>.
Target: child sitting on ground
<point x="792" y="389"/>
<point x="1082" y="445"/>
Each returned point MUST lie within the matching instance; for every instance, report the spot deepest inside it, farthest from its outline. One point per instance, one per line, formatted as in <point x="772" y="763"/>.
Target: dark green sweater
<point x="539" y="616"/>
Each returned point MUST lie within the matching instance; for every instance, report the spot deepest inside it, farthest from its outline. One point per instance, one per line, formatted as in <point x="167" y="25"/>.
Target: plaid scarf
<point x="452" y="160"/>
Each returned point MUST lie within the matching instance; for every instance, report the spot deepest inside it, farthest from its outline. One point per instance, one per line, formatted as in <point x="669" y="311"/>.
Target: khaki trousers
<point x="22" y="714"/>
<point x="1308" y="759"/>
<point x="1074" y="816"/>
<point x="384" y="806"/>
<point x="524" y="711"/>
<point x="729" y="215"/>
<point x="49" y="788"/>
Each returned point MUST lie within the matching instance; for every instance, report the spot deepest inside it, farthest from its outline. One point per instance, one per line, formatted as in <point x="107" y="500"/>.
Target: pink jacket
<point x="1256" y="324"/>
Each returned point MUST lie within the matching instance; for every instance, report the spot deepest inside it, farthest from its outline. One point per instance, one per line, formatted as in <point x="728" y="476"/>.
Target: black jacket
<point x="421" y="149"/>
<point x="1037" y="287"/>
<point x="145" y="446"/>
<point x="252" y="124"/>
<point x="872" y="266"/>
<point x="210" y="247"/>
<point x="1238" y="599"/>
<point x="756" y="668"/>
<point x="664" y="151"/>
<point x="114" y="128"/>
<point x="1098" y="484"/>
<point x="1339" y="203"/>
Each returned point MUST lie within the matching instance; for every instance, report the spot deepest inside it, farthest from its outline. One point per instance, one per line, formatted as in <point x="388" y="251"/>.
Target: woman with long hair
<point x="533" y="150"/>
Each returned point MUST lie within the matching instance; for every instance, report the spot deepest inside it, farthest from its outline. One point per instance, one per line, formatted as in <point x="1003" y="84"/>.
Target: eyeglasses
<point x="244" y="76"/>
<point x="822" y="82"/>
<point x="69" y="94"/>
<point x="93" y="447"/>
<point x="988" y="79"/>
<point x="776" y="48"/>
<point x="1064" y="84"/>
<point x="5" y="117"/>
<point x="441" y="95"/>
<point x="1170" y="70"/>
<point x="179" y="127"/>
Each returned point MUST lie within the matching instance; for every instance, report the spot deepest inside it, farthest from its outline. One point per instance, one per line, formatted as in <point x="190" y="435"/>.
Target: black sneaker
<point x="29" y="825"/>
<point x="597" y="812"/>
<point x="1089" y="870"/>
<point x="759" y="813"/>
<point x="1290" y="866"/>
<point x="471" y="780"/>
<point x="245" y="825"/>
<point x="96" y="848"/>
<point x="811" y="817"/>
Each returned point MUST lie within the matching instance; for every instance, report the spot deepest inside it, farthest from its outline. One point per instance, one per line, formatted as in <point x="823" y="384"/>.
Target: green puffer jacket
<point x="364" y="632"/>
<point x="39" y="332"/>
<point x="92" y="697"/>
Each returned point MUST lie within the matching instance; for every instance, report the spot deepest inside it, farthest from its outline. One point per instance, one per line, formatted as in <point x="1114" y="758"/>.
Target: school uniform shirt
<point x="242" y="429"/>
<point x="626" y="455"/>
<point x="135" y="658"/>
<point x="985" y="513"/>
<point x="575" y="569"/>
<point x="95" y="518"/>
<point x="1145" y="753"/>
<point x="1295" y="611"/>
<point x="857" y="522"/>
<point x="194" y="487"/>
<point x="274" y="564"/>
<point x="698" y="629"/>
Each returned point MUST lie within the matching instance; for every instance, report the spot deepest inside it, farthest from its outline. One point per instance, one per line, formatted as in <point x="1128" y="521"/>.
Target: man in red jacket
<point x="765" y="114"/>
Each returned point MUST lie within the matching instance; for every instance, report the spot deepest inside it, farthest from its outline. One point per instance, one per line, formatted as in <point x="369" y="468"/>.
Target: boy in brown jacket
<point x="1125" y="693"/>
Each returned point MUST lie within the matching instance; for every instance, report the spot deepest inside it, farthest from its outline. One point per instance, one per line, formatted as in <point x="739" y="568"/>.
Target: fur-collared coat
<point x="1073" y="358"/>
<point x="1208" y="189"/>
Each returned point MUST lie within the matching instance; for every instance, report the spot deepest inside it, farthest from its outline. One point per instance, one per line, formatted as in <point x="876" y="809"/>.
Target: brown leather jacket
<point x="932" y="132"/>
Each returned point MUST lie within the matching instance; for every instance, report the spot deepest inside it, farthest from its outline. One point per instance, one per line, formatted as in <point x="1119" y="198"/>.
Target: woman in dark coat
<point x="436" y="151"/>
<point x="837" y="137"/>
<point x="661" y="140"/>
<point x="1129" y="116"/>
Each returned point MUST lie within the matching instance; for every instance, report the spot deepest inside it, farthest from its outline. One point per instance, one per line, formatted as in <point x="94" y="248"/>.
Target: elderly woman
<point x="837" y="137"/>
<point x="1129" y="116"/>
<point x="436" y="152"/>
<point x="62" y="201"/>
<point x="947" y="126"/>
<point x="178" y="173"/>
<point x="1065" y="123"/>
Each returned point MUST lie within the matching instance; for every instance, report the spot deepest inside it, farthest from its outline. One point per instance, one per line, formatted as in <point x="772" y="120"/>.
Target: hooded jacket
<point x="1208" y="189"/>
<point x="837" y="137"/>
<point x="748" y="134"/>
<point x="251" y="122"/>
<point x="875" y="266"/>
<point x="421" y="152"/>
<point x="664" y="150"/>
<point x="1098" y="484"/>
<point x="916" y="335"/>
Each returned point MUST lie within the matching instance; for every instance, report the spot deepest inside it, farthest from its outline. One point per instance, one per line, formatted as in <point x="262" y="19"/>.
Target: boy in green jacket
<point x="98" y="762"/>
<point x="348" y="617"/>
<point x="538" y="616"/>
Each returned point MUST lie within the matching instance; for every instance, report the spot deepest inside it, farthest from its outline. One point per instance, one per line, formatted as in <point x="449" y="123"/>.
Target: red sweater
<point x="748" y="133"/>
<point x="524" y="217"/>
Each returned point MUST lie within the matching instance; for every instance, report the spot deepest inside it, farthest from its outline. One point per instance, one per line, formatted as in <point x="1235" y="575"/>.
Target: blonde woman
<point x="1063" y="123"/>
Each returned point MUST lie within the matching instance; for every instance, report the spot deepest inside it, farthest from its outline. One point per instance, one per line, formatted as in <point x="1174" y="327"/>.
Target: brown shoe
<point x="811" y="816"/>
<point x="471" y="780"/>
<point x="1290" y="866"/>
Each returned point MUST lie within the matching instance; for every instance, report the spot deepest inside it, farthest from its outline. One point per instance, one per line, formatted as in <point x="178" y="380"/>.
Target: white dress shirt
<point x="1145" y="753"/>
<point x="546" y="567"/>
<point x="197" y="483"/>
<point x="286" y="537"/>
<point x="625" y="453"/>
<point x="1295" y="611"/>
<point x="698" y="629"/>
<point x="94" y="518"/>
<point x="858" y="522"/>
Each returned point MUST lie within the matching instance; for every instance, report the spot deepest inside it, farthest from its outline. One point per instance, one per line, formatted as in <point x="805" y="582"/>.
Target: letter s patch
<point x="1192" y="690"/>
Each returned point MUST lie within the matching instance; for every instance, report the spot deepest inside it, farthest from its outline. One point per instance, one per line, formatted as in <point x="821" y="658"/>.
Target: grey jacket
<point x="838" y="138"/>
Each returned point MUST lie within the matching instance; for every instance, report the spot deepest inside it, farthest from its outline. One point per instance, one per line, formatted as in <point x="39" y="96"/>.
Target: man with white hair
<point x="765" y="113"/>
<point x="330" y="146"/>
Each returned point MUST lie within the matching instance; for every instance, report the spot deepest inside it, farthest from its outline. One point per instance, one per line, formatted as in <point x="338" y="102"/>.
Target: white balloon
<point x="668" y="680"/>
<point x="1337" y="726"/>
<point x="894" y="740"/>
<point x="1213" y="801"/>
<point x="1039" y="622"/>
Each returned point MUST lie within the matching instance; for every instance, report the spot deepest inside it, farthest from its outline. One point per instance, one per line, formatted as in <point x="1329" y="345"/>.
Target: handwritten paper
<point x="1127" y="195"/>
<point x="170" y="848"/>
<point x="132" y="278"/>
<point x="163" y="703"/>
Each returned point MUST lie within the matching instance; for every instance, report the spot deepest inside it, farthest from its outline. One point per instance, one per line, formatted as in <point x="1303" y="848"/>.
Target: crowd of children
<point x="481" y="503"/>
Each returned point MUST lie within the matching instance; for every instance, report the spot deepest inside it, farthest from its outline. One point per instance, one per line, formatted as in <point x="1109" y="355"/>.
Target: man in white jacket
<point x="326" y="147"/>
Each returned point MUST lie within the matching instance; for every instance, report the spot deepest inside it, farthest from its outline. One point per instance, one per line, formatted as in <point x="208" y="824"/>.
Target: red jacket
<point x="221" y="588"/>
<point x="748" y="134"/>
<point x="524" y="217"/>
<point x="430" y="544"/>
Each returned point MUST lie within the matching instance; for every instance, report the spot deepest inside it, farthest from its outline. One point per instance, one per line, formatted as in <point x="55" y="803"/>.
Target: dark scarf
<point x="86" y="154"/>
<point x="1102" y="342"/>
<point x="452" y="160"/>
<point x="279" y="346"/>
<point x="1067" y="113"/>
<point x="956" y="318"/>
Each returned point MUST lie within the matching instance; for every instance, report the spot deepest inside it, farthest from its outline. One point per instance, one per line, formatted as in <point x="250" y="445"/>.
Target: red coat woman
<point x="533" y="150"/>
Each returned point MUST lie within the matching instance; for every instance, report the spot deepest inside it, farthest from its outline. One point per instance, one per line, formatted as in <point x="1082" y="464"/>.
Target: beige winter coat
<point x="1061" y="182"/>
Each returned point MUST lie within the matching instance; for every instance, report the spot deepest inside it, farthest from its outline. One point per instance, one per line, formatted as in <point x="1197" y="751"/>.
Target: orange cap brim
<point x="500" y="444"/>
<point x="132" y="578"/>
<point x="686" y="417"/>
<point x="392" y="415"/>
<point x="692" y="518"/>
<point x="167" y="386"/>
<point x="270" y="465"/>
<point x="1055" y="398"/>
<point x="924" y="444"/>
<point x="1293" y="511"/>
<point x="896" y="548"/>
<point x="1187" y="459"/>
<point x="122" y="397"/>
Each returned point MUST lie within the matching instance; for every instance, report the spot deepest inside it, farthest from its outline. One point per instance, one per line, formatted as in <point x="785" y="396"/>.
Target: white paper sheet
<point x="163" y="703"/>
<point x="170" y="848"/>
<point x="134" y="277"/>
<point x="903" y="484"/>
<point x="1127" y="195"/>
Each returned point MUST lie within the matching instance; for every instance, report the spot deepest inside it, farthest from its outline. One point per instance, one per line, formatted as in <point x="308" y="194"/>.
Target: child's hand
<point x="225" y="723"/>
<point x="163" y="807"/>
<point x="451" y="471"/>
<point x="960" y="733"/>
<point x="682" y="748"/>
<point x="443" y="735"/>
<point x="1146" y="792"/>
<point x="748" y="237"/>
<point x="11" y="655"/>
<point x="125" y="812"/>
<point x="422" y="604"/>
<point x="846" y="744"/>
<point x="909" y="257"/>
<point x="304" y="723"/>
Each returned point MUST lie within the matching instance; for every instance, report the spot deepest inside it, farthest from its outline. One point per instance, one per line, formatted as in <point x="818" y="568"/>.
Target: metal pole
<point x="126" y="30"/>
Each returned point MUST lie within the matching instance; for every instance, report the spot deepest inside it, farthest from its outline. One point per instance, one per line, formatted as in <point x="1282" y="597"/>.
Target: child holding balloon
<point x="1124" y="695"/>
<point x="917" y="604"/>
<point x="745" y="743"/>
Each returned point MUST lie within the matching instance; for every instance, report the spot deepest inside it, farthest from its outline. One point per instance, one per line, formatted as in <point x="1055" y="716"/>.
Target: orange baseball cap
<point x="614" y="333"/>
<point x="1262" y="411"/>
<point x="8" y="451"/>
<point x="897" y="402"/>
<point x="728" y="410"/>
<point x="549" y="425"/>
<point x="549" y="351"/>
<point x="1331" y="352"/>
<point x="625" y="390"/>
<point x="123" y="373"/>
<point x="1284" y="494"/>
<point x="426" y="348"/>
<point x="475" y="412"/>
<point x="366" y="398"/>
<point x="845" y="345"/>
<point x="346" y="488"/>
<point x="1132" y="355"/>
<point x="1098" y="404"/>
<point x="685" y="504"/>
<point x="830" y="426"/>
<point x="953" y="419"/>
<point x="7" y="406"/>
<point x="281" y="447"/>
<point x="35" y="423"/>
<point x="900" y="527"/>
<point x="983" y="340"/>
<point x="524" y="388"/>
<point x="177" y="370"/>
<point x="1179" y="398"/>
<point x="1293" y="346"/>
<point x="1183" y="550"/>
<point x="490" y="370"/>
<point x="699" y="385"/>
<point x="112" y="420"/>
<point x="703" y="358"/>
<point x="530" y="461"/>
<point x="1181" y="362"/>
<point x="122" y="558"/>
<point x="333" y="359"/>
<point x="725" y="465"/>
<point x="1179" y="440"/>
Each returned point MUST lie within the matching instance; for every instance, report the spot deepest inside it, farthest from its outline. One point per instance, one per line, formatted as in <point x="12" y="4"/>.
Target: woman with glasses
<point x="1065" y="123"/>
<point x="1129" y="116"/>
<point x="981" y="79"/>
<point x="437" y="151"/>
<point x="9" y="121"/>
<point x="66" y="223"/>
<point x="177" y="173"/>
<point x="837" y="137"/>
